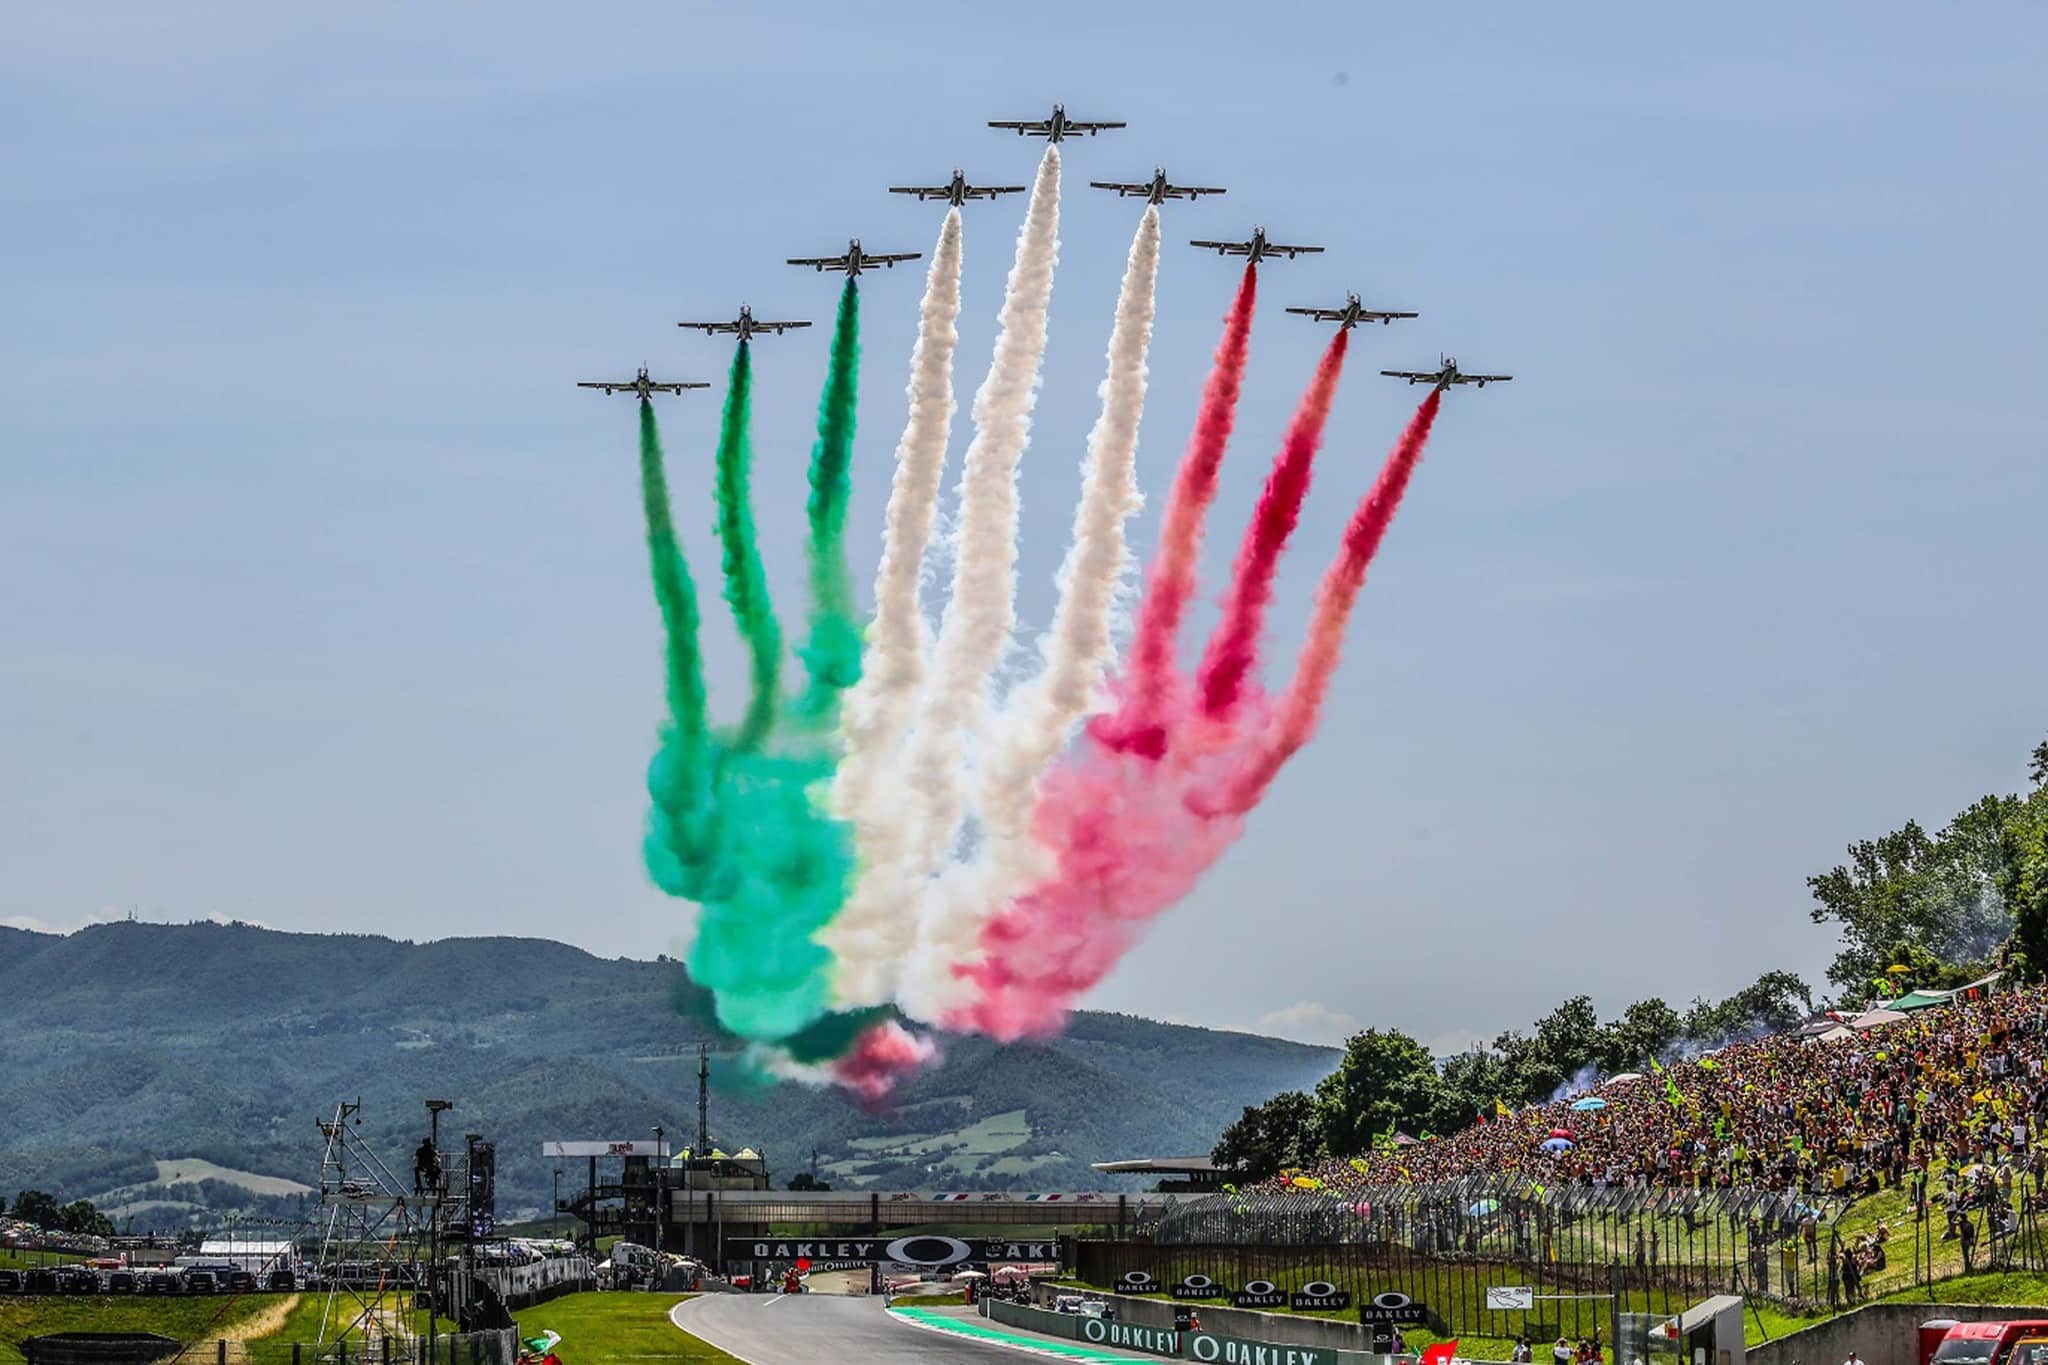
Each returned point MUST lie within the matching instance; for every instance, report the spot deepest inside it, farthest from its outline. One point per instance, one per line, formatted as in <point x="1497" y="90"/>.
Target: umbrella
<point x="1624" y="1076"/>
<point x="1897" y="969"/>
<point x="1557" y="1144"/>
<point x="1403" y="1140"/>
<point x="970" y="1275"/>
<point x="1561" y="1132"/>
<point x="1590" y="1102"/>
<point x="1482" y="1208"/>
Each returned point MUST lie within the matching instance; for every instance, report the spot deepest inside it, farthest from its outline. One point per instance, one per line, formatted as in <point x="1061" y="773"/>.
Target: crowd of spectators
<point x="1948" y="1102"/>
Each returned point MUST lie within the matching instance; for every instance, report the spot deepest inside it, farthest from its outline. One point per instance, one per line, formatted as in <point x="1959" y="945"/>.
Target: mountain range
<point x="174" y="1073"/>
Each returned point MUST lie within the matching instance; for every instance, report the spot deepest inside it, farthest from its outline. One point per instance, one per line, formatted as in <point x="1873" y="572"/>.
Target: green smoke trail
<point x="831" y="655"/>
<point x="746" y="585"/>
<point x="735" y="823"/>
<point x="681" y="843"/>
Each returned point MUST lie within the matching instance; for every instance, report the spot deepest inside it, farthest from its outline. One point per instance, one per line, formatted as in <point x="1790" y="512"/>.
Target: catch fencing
<point x="1585" y="1252"/>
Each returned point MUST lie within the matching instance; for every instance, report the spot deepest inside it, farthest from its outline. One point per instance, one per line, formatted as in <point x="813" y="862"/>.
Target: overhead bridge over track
<point x="713" y="1223"/>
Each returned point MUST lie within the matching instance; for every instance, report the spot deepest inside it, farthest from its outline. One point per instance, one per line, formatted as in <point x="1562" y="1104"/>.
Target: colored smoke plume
<point x="979" y="614"/>
<point x="746" y="585"/>
<point x="877" y="709"/>
<point x="831" y="653"/>
<point x="1231" y="660"/>
<point x="1152" y="685"/>
<point x="1032" y="729"/>
<point x="1296" y="713"/>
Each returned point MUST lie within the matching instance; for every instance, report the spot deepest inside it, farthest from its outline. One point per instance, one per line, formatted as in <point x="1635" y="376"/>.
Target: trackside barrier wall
<point x="1154" y="1335"/>
<point x="1881" y="1333"/>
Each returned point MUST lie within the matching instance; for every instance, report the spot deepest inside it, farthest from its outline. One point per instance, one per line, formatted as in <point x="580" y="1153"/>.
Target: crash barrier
<point x="500" y="1347"/>
<point x="1155" y="1335"/>
<point x="522" y="1286"/>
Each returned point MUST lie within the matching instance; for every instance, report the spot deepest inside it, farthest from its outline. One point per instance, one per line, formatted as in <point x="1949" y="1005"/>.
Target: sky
<point x="326" y="602"/>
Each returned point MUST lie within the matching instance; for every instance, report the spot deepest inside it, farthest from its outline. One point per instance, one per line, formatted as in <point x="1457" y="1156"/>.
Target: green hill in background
<point x="175" y="1072"/>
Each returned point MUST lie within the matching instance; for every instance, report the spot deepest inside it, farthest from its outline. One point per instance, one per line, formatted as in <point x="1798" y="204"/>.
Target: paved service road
<point x="824" y="1329"/>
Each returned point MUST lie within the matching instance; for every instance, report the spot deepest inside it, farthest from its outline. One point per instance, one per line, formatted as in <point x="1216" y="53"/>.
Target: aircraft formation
<point x="1056" y="128"/>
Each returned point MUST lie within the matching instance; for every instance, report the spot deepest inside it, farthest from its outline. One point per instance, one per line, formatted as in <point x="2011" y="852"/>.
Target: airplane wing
<point x="712" y="328"/>
<point x="824" y="262"/>
<point x="1023" y="126"/>
<point x="1121" y="189"/>
<point x="1077" y="126"/>
<point x="1319" y="314"/>
<point x="681" y="385"/>
<point x="1226" y="248"/>
<point x="891" y="257"/>
<point x="1412" y="376"/>
<point x="991" y="191"/>
<point x="1484" y="378"/>
<point x="1374" y="315"/>
<point x="921" y="191"/>
<point x="1292" y="251"/>
<point x="777" y="327"/>
<point x="595" y="384"/>
<point x="1197" y="191"/>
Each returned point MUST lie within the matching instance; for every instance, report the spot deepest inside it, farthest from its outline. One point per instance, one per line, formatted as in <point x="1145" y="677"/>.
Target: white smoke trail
<point x="979" y="614"/>
<point x="877" y="709"/>
<point x="1078" y="651"/>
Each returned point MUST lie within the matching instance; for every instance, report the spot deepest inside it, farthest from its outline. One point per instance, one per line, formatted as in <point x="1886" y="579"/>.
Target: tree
<point x="1774" y="1002"/>
<point x="1945" y="893"/>
<point x="1645" y="1030"/>
<point x="1386" y="1080"/>
<point x="1467" y="1087"/>
<point x="2026" y="885"/>
<point x="804" y="1180"/>
<point x="1267" y="1138"/>
<point x="81" y="1217"/>
<point x="38" y="1207"/>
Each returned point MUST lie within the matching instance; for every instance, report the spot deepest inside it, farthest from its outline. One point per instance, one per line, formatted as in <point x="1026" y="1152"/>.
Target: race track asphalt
<point x="824" y="1329"/>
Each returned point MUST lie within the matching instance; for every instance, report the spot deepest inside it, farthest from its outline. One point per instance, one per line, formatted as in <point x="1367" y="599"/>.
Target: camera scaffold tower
<point x="373" y="1229"/>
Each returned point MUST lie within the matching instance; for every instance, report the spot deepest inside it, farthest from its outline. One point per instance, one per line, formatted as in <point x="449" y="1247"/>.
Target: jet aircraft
<point x="1054" y="129"/>
<point x="1257" y="249"/>
<point x="1351" y="314"/>
<point x="855" y="260"/>
<point x="1156" y="190"/>
<point x="641" y="385"/>
<point x="744" y="326"/>
<point x="956" y="191"/>
<point x="1448" y="375"/>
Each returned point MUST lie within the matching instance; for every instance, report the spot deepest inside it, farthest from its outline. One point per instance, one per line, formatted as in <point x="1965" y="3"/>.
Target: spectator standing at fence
<point x="1966" y="1229"/>
<point x="1561" y="1354"/>
<point x="1522" y="1354"/>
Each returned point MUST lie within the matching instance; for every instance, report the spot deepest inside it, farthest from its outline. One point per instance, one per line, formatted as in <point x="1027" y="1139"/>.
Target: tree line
<point x="43" y="1209"/>
<point x="1947" y="907"/>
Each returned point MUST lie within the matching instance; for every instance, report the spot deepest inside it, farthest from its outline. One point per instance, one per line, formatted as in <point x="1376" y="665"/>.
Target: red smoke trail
<point x="1295" y="717"/>
<point x="1138" y="726"/>
<point x="1234" y="648"/>
<point x="881" y="1056"/>
<point x="1129" y="844"/>
<point x="1133" y="837"/>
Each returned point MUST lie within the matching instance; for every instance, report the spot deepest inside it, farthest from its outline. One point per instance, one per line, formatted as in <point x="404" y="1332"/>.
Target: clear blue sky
<point x="325" y="599"/>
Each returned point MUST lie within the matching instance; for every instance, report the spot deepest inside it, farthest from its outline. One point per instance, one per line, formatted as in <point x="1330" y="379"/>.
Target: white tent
<point x="1870" y="1019"/>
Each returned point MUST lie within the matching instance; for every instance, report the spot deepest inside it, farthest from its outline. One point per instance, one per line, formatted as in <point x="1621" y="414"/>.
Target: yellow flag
<point x="1307" y="1182"/>
<point x="1358" y="1164"/>
<point x="1501" y="1109"/>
